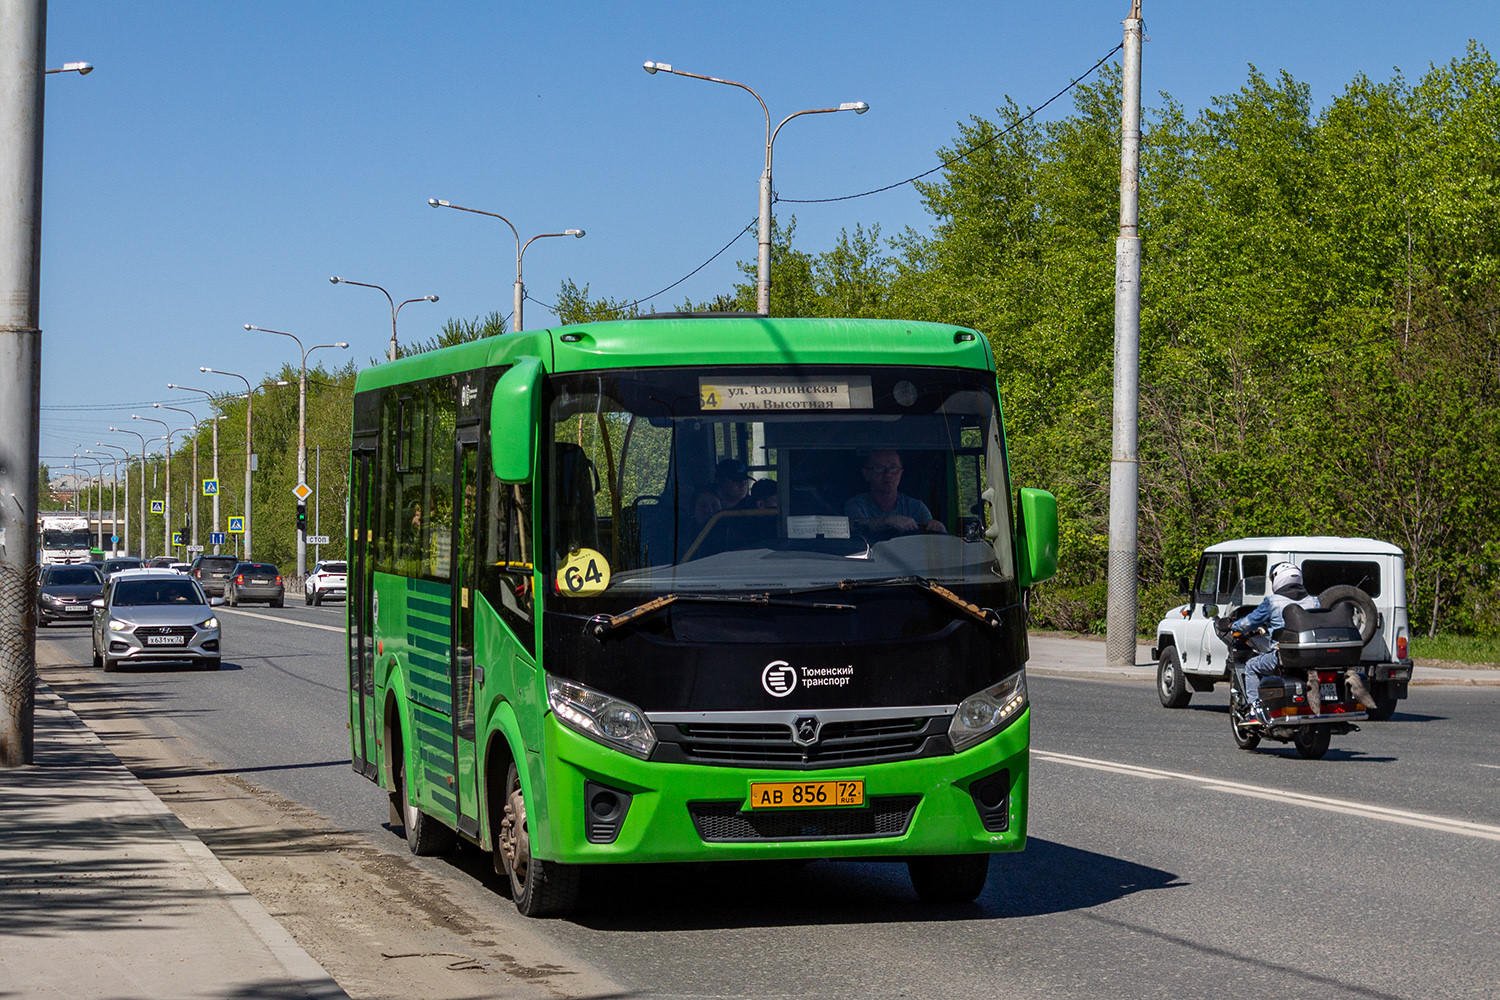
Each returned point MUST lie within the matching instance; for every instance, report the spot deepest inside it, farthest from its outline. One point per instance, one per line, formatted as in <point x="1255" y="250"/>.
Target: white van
<point x="1231" y="581"/>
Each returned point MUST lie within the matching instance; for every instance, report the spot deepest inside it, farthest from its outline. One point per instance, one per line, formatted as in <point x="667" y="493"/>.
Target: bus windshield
<point x="721" y="480"/>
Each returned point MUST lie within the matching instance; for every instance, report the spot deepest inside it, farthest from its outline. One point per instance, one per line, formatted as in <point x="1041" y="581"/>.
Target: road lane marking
<point x="1426" y="821"/>
<point x="284" y="621"/>
<point x="1495" y="766"/>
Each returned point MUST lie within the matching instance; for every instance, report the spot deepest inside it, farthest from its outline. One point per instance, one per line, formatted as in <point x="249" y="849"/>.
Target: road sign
<point x="195" y="548"/>
<point x="217" y="538"/>
<point x="302" y="491"/>
<point x="317" y="539"/>
<point x="210" y="487"/>
<point x="236" y="526"/>
<point x="176" y="538"/>
<point x="158" y="506"/>
<point x="114" y="539"/>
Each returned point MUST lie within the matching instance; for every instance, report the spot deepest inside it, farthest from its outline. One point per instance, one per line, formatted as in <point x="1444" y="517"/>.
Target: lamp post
<point x="98" y="489"/>
<point x="215" y="424"/>
<point x="249" y="416"/>
<point x="125" y="457"/>
<point x="763" y="259"/>
<point x="142" y="549"/>
<point x="114" y="499"/>
<point x="394" y="307"/>
<point x="192" y="490"/>
<point x="301" y="439"/>
<point x="520" y="288"/>
<point x="167" y="496"/>
<point x="81" y="68"/>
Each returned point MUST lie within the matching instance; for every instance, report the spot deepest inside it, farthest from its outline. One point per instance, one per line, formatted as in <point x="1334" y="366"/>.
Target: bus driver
<point x="884" y="508"/>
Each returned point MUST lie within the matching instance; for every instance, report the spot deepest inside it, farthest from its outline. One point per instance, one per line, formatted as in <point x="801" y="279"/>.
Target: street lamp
<point x="98" y="489"/>
<point x="301" y="438"/>
<point x="114" y="497"/>
<point x="167" y="496"/>
<point x="81" y="68"/>
<point x="394" y="307"/>
<point x="212" y="401"/>
<point x="520" y="289"/>
<point x="192" y="490"/>
<point x="118" y="430"/>
<point x="763" y="260"/>
<point x="249" y="415"/>
<point x="125" y="452"/>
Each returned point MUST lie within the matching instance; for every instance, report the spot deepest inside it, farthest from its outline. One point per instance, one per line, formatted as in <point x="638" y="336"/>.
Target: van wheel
<point x="1171" y="685"/>
<point x="1385" y="701"/>
<point x="1366" y="618"/>
<point x="953" y="878"/>
<point x="539" y="888"/>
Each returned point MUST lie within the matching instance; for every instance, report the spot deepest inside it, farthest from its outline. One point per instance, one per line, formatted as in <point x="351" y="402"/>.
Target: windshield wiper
<point x="989" y="616"/>
<point x="601" y="625"/>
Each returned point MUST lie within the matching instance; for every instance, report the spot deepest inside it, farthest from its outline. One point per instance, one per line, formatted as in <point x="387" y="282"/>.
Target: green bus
<point x="635" y="592"/>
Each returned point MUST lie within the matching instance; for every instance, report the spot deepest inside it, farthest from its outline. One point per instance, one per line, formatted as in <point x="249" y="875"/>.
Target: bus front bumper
<point x="686" y="812"/>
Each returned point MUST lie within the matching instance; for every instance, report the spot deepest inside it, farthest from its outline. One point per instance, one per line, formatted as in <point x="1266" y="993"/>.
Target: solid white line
<point x="1495" y="766"/>
<point x="284" y="621"/>
<point x="1465" y="827"/>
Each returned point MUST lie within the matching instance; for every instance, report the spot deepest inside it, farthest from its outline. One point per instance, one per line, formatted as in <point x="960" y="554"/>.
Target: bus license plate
<point x="164" y="640"/>
<point x="805" y="794"/>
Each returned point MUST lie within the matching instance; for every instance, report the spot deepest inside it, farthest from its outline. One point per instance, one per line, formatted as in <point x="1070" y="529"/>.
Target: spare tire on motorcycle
<point x="1366" y="619"/>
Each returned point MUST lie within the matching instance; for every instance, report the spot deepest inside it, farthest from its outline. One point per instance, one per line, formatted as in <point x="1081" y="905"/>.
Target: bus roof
<point x="740" y="340"/>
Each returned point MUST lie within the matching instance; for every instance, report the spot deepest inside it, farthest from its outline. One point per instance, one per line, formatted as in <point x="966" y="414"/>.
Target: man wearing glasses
<point x="884" y="507"/>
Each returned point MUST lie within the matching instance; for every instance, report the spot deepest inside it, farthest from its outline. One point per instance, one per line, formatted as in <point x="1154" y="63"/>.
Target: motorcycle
<point x="1307" y="699"/>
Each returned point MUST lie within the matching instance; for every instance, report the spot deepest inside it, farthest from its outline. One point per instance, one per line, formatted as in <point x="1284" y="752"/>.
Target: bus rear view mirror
<point x="1037" y="544"/>
<point x="513" y="421"/>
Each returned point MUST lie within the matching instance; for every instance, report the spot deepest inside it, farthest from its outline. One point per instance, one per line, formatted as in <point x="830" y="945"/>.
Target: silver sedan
<point x="151" y="615"/>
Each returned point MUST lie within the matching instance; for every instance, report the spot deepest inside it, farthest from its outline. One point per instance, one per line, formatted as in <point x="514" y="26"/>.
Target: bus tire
<point x="539" y="888"/>
<point x="948" y="878"/>
<point x="425" y="836"/>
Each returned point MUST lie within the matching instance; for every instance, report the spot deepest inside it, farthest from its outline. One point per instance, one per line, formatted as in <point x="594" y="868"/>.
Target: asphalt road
<point x="1162" y="861"/>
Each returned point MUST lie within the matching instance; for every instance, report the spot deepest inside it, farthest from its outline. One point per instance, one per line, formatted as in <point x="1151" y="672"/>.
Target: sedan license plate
<point x="165" y="640"/>
<point x="805" y="794"/>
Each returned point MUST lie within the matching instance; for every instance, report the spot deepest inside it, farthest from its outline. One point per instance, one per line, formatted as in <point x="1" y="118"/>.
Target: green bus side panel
<point x="413" y="628"/>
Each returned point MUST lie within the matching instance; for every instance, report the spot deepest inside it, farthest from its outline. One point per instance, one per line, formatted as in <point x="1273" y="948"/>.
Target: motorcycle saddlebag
<point x="1319" y="640"/>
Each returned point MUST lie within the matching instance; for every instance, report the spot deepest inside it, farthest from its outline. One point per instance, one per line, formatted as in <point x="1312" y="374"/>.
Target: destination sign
<point x="774" y="394"/>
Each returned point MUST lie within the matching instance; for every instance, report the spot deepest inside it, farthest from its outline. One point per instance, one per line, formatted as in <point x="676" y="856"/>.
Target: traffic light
<point x="302" y="519"/>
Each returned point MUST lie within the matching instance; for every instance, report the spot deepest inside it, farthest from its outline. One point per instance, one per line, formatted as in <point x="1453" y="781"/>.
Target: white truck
<point x="65" y="538"/>
<point x="1368" y="574"/>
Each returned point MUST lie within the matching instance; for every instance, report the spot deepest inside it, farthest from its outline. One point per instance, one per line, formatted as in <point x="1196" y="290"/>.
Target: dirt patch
<point x="379" y="924"/>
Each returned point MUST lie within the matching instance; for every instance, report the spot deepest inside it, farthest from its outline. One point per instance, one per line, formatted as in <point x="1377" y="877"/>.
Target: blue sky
<point x="225" y="159"/>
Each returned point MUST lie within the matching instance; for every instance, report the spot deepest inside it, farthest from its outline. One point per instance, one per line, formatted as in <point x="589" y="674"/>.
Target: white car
<point x="328" y="581"/>
<point x="1231" y="581"/>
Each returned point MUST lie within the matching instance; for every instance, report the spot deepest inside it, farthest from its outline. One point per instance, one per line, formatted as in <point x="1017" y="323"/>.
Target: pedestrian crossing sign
<point x="237" y="525"/>
<point x="158" y="506"/>
<point x="210" y="487"/>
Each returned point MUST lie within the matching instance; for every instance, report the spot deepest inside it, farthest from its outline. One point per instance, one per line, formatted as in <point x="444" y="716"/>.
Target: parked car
<point x="211" y="571"/>
<point x="110" y="567"/>
<point x="328" y="580"/>
<point x="255" y="582"/>
<point x="149" y="615"/>
<point x="64" y="592"/>
<point x="1366" y="574"/>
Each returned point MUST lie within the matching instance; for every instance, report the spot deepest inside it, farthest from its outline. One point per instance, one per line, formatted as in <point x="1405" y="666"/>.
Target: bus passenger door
<point x="467" y="483"/>
<point x="361" y="616"/>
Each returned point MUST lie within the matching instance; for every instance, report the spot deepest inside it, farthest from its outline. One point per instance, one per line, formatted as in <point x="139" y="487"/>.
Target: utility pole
<point x="1124" y="468"/>
<point x="23" y="43"/>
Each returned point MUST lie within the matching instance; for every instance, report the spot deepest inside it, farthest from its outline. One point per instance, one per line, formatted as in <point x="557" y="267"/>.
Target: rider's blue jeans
<point x="1258" y="666"/>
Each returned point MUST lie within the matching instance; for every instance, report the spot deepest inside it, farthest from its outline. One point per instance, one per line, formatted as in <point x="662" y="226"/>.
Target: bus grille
<point x="839" y="744"/>
<point x="723" y="822"/>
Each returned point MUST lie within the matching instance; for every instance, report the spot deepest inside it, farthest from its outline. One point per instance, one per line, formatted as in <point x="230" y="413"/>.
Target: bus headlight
<point x="607" y="720"/>
<point x="981" y="715"/>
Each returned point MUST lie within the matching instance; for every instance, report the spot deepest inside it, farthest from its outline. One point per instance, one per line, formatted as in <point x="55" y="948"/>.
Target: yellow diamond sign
<point x="302" y="492"/>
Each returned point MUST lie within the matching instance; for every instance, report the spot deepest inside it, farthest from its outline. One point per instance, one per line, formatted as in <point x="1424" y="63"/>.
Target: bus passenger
<point x="884" y="507"/>
<point x="731" y="483"/>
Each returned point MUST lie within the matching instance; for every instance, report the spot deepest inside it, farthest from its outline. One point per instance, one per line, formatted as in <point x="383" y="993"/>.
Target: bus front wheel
<point x="539" y="888"/>
<point x="954" y="878"/>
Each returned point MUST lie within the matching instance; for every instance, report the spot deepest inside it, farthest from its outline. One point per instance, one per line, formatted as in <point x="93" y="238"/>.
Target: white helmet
<point x="1284" y="573"/>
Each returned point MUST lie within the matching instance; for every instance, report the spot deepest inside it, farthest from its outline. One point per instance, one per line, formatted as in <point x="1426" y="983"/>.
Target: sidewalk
<point x="1053" y="655"/>
<point x="104" y="893"/>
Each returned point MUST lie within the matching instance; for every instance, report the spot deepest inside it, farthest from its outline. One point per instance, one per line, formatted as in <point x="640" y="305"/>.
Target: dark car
<point x="211" y="571"/>
<point x="160" y="562"/>
<point x="255" y="582"/>
<point x="147" y="615"/>
<point x="66" y="591"/>
<point x="110" y="567"/>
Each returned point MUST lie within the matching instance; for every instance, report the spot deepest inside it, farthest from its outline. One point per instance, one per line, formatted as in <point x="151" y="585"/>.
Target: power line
<point x="966" y="153"/>
<point x="732" y="242"/>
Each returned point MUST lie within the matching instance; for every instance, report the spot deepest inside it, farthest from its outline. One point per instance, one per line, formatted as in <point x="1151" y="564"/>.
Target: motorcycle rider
<point x="1270" y="614"/>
